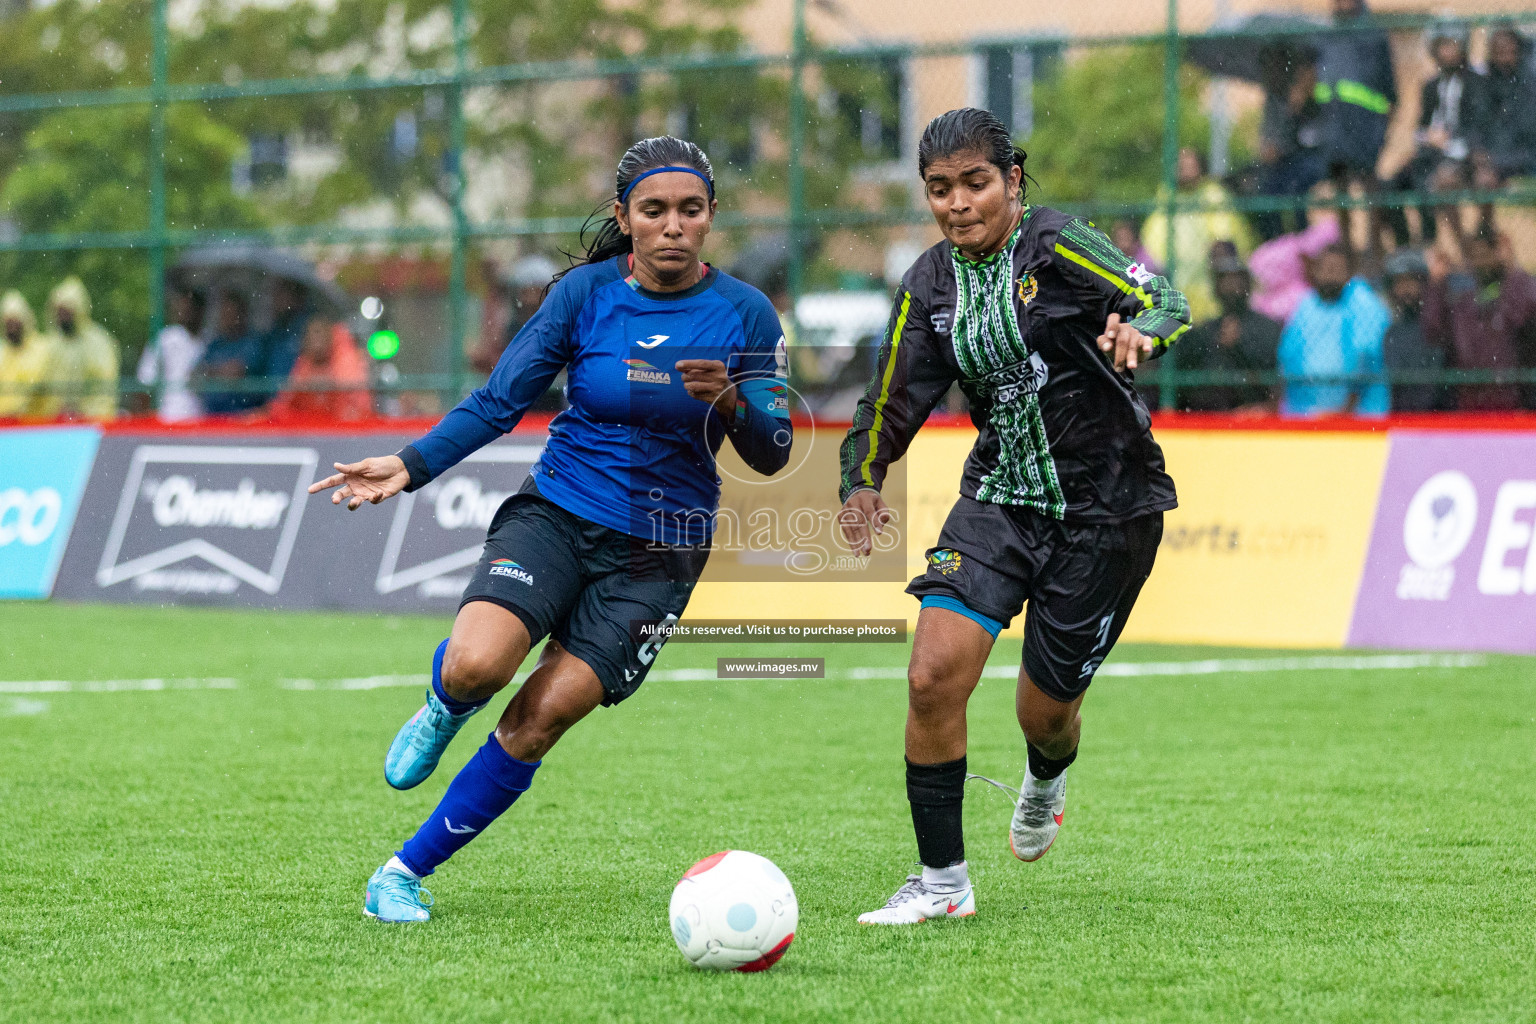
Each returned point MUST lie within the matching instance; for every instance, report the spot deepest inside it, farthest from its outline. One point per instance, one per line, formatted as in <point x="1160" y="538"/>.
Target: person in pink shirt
<point x="1280" y="271"/>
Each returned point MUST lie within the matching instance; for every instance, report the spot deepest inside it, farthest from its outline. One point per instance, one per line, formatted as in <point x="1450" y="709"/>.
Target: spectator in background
<point x="23" y="358"/>
<point x="1486" y="316"/>
<point x="81" y="379"/>
<point x="232" y="355"/>
<point x="1337" y="332"/>
<point x="172" y="356"/>
<point x="1356" y="91"/>
<point x="1195" y="231"/>
<point x="1290" y="133"/>
<point x="526" y="284"/>
<point x="282" y="341"/>
<point x="1504" y="139"/>
<point x="1280" y="268"/>
<point x="1239" y="341"/>
<point x="1127" y="239"/>
<point x="329" y="378"/>
<point x="1451" y="107"/>
<point x="1406" y="348"/>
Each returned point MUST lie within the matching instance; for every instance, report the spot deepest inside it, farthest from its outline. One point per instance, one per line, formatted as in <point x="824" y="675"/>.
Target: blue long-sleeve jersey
<point x="633" y="452"/>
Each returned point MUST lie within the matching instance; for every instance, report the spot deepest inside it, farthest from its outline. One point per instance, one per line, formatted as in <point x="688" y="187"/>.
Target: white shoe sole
<point x="370" y="915"/>
<point x="1030" y="860"/>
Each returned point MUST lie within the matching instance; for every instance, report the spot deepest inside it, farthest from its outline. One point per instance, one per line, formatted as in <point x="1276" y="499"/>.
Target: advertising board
<point x="43" y="473"/>
<point x="1452" y="559"/>
<point x="227" y="520"/>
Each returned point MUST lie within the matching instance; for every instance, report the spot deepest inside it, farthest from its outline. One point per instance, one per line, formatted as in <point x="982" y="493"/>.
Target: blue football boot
<point x="396" y="898"/>
<point x="420" y="743"/>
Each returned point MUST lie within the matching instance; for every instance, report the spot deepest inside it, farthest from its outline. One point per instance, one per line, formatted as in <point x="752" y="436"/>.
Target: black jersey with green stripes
<point x="1060" y="431"/>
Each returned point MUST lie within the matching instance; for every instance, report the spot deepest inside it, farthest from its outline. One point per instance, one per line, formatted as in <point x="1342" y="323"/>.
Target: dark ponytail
<point x="646" y="155"/>
<point x="969" y="129"/>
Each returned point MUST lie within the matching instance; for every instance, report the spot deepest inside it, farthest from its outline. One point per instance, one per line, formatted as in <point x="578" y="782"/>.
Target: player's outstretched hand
<point x="863" y="512"/>
<point x="1124" y="344"/>
<point x="371" y="480"/>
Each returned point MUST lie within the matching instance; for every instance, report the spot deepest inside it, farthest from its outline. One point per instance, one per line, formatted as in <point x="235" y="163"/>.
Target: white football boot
<point x="923" y="899"/>
<point x="1037" y="816"/>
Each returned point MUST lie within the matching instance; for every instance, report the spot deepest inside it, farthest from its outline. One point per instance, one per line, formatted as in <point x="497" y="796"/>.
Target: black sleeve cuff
<point x="416" y="466"/>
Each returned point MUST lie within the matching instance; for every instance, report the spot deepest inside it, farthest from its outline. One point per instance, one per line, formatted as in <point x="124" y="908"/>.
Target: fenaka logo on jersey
<point x="1029" y="287"/>
<point x="642" y="372"/>
<point x="1022" y="378"/>
<point x="438" y="533"/>
<point x="946" y="561"/>
<point x="507" y="567"/>
<point x="779" y="398"/>
<point x="203" y="519"/>
<point x="1139" y="273"/>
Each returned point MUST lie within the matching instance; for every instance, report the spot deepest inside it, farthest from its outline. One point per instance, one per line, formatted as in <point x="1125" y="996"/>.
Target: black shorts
<point x="1080" y="580"/>
<point x="592" y="588"/>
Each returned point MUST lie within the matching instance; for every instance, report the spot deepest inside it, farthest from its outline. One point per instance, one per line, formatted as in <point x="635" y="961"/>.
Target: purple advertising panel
<point x="1452" y="559"/>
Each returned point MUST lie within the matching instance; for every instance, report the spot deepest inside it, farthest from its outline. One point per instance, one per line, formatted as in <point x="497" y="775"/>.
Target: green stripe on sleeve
<point x="885" y="393"/>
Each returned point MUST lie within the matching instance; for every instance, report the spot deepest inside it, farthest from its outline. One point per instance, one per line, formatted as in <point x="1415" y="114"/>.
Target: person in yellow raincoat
<point x="1194" y="231"/>
<point x="81" y="380"/>
<point x="23" y="358"/>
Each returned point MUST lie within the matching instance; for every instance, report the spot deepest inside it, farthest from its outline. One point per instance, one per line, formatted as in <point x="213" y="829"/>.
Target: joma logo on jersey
<point x="507" y="567"/>
<point x="642" y="372"/>
<point x="946" y="561"/>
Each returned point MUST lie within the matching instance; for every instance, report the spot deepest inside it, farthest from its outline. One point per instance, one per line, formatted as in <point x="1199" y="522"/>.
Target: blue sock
<point x="455" y="706"/>
<point x="484" y="788"/>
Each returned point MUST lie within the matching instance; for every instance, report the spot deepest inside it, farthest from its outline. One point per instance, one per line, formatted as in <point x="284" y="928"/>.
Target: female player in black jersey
<point x="1038" y="317"/>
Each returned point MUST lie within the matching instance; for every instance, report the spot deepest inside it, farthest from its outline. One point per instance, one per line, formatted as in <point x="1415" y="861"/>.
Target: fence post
<point x="1168" y="377"/>
<point x="457" y="270"/>
<point x="796" y="156"/>
<point x="158" y="70"/>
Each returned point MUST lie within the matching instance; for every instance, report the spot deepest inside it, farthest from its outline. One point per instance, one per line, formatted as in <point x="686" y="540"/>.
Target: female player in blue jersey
<point x="665" y="358"/>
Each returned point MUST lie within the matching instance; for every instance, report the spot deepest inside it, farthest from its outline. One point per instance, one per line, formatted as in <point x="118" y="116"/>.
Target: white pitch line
<point x="1327" y="662"/>
<point x="117" y="685"/>
<point x="356" y="683"/>
<point x="1206" y="667"/>
<point x="1222" y="666"/>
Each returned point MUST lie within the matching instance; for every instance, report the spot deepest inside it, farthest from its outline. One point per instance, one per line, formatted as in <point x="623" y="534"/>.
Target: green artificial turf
<point x="1304" y="846"/>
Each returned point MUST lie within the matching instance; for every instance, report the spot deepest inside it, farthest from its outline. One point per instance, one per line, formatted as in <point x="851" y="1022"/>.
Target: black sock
<point x="935" y="792"/>
<point x="1045" y="769"/>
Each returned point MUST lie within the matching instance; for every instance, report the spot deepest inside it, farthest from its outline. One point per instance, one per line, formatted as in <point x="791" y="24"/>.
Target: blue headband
<point x="624" y="196"/>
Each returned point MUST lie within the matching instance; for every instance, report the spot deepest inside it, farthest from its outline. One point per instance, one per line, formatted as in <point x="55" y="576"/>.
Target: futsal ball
<point x="734" y="911"/>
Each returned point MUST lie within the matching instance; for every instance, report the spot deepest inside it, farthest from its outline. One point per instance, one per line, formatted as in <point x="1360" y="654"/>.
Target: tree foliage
<point x="1099" y="134"/>
<point x="87" y="170"/>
